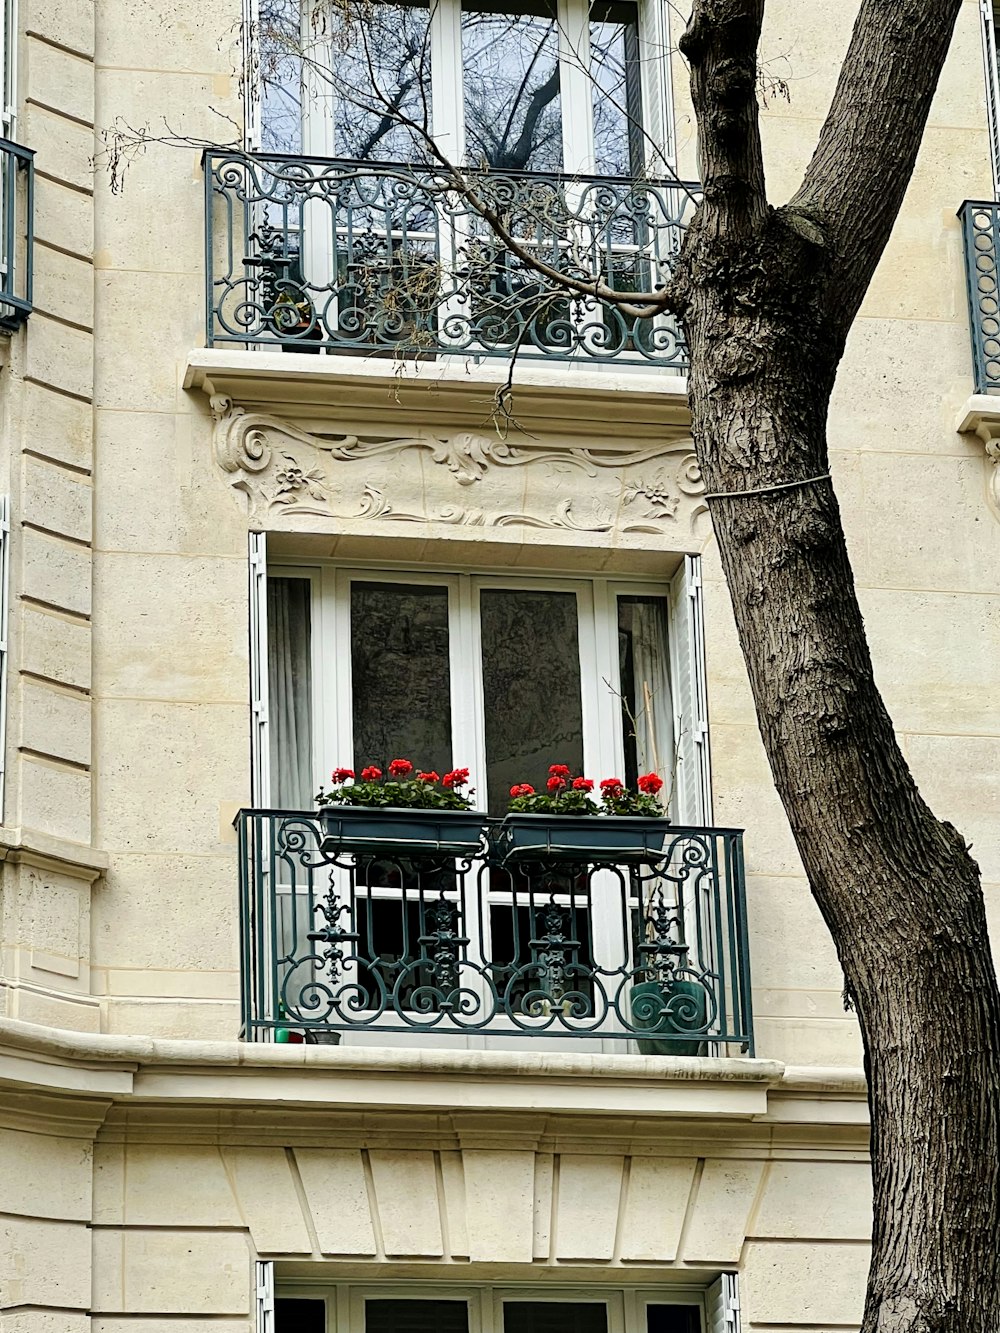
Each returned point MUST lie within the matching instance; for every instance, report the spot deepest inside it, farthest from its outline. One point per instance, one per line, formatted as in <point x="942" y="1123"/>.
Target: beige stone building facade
<point x="255" y="1082"/>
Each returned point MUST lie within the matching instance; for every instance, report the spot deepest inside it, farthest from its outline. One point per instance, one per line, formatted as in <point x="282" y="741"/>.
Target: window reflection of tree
<point x="512" y="94"/>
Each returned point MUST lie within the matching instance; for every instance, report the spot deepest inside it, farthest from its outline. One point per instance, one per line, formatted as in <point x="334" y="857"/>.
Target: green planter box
<point x="675" y="1013"/>
<point x="360" y="828"/>
<point x="601" y="839"/>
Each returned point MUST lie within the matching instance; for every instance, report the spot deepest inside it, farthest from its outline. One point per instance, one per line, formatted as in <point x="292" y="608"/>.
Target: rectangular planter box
<point x="361" y="828"/>
<point x="611" y="839"/>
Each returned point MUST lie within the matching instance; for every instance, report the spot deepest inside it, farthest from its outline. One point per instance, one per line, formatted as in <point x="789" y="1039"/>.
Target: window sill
<point x="454" y="391"/>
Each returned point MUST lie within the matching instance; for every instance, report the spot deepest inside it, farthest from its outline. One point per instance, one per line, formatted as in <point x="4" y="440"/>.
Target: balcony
<point x="17" y="182"/>
<point x="337" y="940"/>
<point x="981" y="233"/>
<point x="367" y="259"/>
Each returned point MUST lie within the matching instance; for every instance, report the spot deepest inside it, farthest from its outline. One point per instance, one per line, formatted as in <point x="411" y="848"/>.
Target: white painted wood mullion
<point x="260" y="755"/>
<point x="987" y="19"/>
<point x="576" y="88"/>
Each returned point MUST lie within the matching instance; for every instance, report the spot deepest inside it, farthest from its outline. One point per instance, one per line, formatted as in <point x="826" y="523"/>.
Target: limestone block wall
<point x="47" y="387"/>
<point x="129" y="712"/>
<point x="170" y="654"/>
<point x="146" y="1179"/>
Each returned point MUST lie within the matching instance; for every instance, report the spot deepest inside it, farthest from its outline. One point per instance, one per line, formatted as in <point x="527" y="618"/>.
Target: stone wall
<point x="143" y="1178"/>
<point x="142" y="808"/>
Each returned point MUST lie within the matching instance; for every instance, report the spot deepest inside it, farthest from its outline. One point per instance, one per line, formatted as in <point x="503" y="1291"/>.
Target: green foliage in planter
<point x="401" y="789"/>
<point x="568" y="795"/>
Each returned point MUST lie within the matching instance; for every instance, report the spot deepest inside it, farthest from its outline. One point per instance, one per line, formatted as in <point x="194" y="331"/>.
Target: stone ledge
<point x="548" y="398"/>
<point x="32" y="847"/>
<point x="176" y="1072"/>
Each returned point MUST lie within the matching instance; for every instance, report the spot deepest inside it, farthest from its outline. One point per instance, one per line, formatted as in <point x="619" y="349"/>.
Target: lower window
<point x="490" y="1310"/>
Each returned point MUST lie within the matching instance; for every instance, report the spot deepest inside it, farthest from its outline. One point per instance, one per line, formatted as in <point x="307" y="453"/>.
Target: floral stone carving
<point x="288" y="473"/>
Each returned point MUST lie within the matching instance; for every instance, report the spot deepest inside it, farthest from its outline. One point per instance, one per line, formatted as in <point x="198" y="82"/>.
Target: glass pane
<point x="531" y="688"/>
<point x="401" y="675"/>
<point x="513" y="120"/>
<point x="617" y="98"/>
<point x="416" y="1317"/>
<point x="647" y="716"/>
<point x="555" y="1317"/>
<point x="280" y="76"/>
<point x="289" y="680"/>
<point x="299" y="1316"/>
<point x="673" y="1319"/>
<point x="378" y="71"/>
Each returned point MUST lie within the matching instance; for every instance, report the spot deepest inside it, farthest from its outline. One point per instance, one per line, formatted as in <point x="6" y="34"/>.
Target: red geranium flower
<point x="611" y="784"/>
<point x="559" y="770"/>
<point x="458" y="777"/>
<point x="522" y="789"/>
<point x="400" y="768"/>
<point x="371" y="773"/>
<point x="583" y="784"/>
<point x="428" y="777"/>
<point x="341" y="774"/>
<point x="649" y="783"/>
<point x="556" y="783"/>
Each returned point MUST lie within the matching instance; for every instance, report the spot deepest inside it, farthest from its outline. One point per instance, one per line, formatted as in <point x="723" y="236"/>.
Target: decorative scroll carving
<point x="283" y="469"/>
<point x="986" y="425"/>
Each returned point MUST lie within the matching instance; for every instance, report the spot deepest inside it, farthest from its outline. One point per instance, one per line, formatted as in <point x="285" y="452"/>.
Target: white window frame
<point x="988" y="25"/>
<point x="604" y="754"/>
<point x="447" y="98"/>
<point x="8" y="62"/>
<point x="626" y="1305"/>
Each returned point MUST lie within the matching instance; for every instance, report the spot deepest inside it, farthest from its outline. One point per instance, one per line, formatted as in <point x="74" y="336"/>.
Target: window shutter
<point x="693" y="780"/>
<point x="264" y="1297"/>
<point x="987" y="16"/>
<point x="4" y="616"/>
<point x="260" y="774"/>
<point x="657" y="99"/>
<point x="722" y="1305"/>
<point x="251" y="75"/>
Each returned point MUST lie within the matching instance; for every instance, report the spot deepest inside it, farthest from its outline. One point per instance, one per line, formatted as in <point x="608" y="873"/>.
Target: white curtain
<point x="290" y="693"/>
<point x="654" y="730"/>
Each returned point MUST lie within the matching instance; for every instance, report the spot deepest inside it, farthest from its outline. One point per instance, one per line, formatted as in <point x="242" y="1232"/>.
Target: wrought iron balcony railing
<point x="17" y="211"/>
<point x="310" y="254"/>
<point x="981" y="231"/>
<point x="340" y="941"/>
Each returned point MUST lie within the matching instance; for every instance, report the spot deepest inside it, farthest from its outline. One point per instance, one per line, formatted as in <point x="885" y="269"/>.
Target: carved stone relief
<point x="295" y="478"/>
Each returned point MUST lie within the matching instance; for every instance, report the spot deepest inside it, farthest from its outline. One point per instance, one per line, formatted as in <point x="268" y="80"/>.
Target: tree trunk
<point x="897" y="887"/>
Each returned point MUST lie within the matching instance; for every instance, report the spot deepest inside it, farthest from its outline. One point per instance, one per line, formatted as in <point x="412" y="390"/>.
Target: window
<point x="989" y="14"/>
<point x="500" y="674"/>
<point x="553" y="85"/>
<point x="440" y="1309"/>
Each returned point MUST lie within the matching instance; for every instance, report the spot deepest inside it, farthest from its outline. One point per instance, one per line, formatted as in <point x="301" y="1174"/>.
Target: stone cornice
<point x="31" y="847"/>
<point x="466" y="1089"/>
<point x="450" y="393"/>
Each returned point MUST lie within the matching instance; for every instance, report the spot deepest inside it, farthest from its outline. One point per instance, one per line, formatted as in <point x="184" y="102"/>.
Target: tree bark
<point x="768" y="296"/>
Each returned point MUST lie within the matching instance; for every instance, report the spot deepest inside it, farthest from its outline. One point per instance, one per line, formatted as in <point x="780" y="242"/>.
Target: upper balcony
<point x="385" y="260"/>
<point x="16" y="240"/>
<point x="377" y="935"/>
